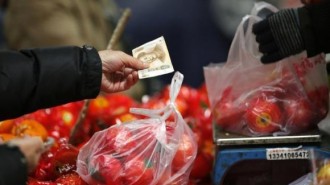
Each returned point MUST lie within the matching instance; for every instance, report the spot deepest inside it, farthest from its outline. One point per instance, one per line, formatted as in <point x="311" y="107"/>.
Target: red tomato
<point x="70" y="179"/>
<point x="106" y="169"/>
<point x="263" y="116"/>
<point x="299" y="114"/>
<point x="186" y="152"/>
<point x="202" y="166"/>
<point x="139" y="171"/>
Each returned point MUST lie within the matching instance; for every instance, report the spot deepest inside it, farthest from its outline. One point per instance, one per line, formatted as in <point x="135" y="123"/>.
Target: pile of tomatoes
<point x="58" y="165"/>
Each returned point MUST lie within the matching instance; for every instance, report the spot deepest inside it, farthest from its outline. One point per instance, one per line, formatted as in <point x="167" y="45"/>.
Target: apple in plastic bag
<point x="263" y="116"/>
<point x="299" y="114"/>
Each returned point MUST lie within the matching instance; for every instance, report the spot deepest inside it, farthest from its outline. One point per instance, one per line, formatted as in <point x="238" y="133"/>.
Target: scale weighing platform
<point x="270" y="160"/>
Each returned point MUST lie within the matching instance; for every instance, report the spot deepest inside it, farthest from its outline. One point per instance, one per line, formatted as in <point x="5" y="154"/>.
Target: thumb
<point x="133" y="63"/>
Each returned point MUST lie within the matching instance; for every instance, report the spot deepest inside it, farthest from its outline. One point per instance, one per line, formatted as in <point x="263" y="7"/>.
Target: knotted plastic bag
<point x="250" y="98"/>
<point x="150" y="151"/>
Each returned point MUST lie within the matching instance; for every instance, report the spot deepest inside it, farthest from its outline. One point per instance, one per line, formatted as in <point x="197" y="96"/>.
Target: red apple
<point x="263" y="116"/>
<point x="299" y="114"/>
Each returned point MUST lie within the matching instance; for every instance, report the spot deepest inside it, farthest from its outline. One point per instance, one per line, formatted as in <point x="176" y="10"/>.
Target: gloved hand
<point x="279" y="35"/>
<point x="290" y="31"/>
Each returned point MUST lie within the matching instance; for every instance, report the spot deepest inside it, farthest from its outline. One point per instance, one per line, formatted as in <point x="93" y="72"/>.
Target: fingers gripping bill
<point x="155" y="54"/>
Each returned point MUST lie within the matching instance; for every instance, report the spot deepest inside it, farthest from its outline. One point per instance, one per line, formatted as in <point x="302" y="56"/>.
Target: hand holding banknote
<point x="119" y="71"/>
<point x="156" y="55"/>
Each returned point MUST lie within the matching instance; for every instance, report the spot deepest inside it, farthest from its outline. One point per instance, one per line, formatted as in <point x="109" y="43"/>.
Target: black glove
<point x="279" y="35"/>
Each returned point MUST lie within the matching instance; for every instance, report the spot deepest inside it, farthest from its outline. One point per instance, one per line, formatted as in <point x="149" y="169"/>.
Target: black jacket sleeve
<point x="39" y="78"/>
<point x="13" y="167"/>
<point x="315" y="23"/>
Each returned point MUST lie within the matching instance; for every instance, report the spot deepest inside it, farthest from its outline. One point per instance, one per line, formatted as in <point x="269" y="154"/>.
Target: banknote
<point x="156" y="54"/>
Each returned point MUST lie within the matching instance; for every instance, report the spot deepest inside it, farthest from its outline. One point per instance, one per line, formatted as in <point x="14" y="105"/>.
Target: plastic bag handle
<point x="262" y="9"/>
<point x="244" y="48"/>
<point x="165" y="112"/>
<point x="240" y="51"/>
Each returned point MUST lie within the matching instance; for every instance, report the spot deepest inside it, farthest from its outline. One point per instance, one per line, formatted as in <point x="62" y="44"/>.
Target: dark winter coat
<point x="33" y="79"/>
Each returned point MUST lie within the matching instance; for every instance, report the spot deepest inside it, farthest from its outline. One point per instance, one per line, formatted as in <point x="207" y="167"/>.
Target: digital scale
<point x="270" y="160"/>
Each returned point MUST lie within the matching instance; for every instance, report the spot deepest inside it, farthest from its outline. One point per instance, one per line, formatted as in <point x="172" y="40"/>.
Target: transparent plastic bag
<point x="250" y="98"/>
<point x="150" y="151"/>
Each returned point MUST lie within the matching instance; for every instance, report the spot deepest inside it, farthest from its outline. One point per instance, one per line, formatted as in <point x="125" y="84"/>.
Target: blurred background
<point x="197" y="32"/>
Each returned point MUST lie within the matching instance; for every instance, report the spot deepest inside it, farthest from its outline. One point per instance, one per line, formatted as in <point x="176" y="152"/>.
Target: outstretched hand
<point x="119" y="70"/>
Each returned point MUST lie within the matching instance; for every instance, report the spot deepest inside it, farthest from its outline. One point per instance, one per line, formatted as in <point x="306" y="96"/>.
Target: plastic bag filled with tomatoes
<point x="249" y="98"/>
<point x="156" y="150"/>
